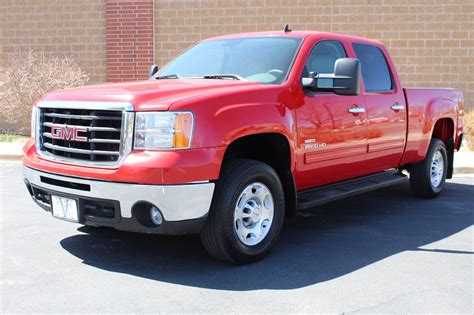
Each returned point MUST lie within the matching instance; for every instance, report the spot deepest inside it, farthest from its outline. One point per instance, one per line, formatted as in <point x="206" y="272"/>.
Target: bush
<point x="469" y="129"/>
<point x="27" y="76"/>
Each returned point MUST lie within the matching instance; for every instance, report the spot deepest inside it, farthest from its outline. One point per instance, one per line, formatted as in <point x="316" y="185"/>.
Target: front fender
<point x="236" y="121"/>
<point x="232" y="122"/>
<point x="220" y="119"/>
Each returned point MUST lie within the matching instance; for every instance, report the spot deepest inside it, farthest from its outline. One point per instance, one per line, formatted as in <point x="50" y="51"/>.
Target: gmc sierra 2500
<point x="237" y="133"/>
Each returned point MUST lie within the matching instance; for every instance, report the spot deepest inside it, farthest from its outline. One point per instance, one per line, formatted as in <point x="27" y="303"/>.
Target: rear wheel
<point x="246" y="214"/>
<point x="427" y="178"/>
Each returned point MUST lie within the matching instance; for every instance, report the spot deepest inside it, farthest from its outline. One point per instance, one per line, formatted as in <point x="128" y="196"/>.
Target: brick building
<point x="431" y="41"/>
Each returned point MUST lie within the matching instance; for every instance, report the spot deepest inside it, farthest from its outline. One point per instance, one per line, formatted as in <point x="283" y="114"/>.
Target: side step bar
<point x="320" y="195"/>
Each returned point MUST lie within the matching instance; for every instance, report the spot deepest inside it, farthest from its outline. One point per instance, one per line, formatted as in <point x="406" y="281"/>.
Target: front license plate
<point x="64" y="208"/>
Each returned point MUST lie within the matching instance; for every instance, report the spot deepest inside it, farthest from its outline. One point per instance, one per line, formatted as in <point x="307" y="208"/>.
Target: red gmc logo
<point x="68" y="133"/>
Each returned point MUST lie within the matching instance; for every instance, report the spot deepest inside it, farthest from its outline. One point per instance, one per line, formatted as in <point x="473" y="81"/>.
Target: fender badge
<point x="312" y="144"/>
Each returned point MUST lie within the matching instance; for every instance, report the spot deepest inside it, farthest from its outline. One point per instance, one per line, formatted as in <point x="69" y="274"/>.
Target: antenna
<point x="287" y="28"/>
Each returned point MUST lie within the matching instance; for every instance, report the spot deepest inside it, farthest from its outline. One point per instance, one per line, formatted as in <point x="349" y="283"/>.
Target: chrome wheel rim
<point x="253" y="214"/>
<point x="437" y="169"/>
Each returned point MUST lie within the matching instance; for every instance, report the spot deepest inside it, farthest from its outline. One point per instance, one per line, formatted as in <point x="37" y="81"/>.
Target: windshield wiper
<point x="168" y="76"/>
<point x="224" y="76"/>
<point x="208" y="76"/>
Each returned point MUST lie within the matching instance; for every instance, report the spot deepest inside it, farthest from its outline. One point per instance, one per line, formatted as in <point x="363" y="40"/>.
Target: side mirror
<point x="152" y="71"/>
<point x="344" y="81"/>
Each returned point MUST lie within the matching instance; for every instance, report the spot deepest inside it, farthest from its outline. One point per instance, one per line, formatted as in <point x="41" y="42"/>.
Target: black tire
<point x="218" y="235"/>
<point x="420" y="174"/>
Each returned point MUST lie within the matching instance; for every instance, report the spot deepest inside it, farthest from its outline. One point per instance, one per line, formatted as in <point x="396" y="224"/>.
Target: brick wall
<point x="129" y="39"/>
<point x="73" y="28"/>
<point x="431" y="41"/>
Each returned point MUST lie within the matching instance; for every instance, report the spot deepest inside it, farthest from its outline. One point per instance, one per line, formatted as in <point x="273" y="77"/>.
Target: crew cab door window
<point x="322" y="60"/>
<point x="375" y="71"/>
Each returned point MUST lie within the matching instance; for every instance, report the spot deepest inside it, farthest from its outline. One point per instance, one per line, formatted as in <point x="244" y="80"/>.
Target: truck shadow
<point x="332" y="241"/>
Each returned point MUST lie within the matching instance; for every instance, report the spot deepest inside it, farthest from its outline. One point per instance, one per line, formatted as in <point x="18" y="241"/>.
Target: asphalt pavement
<point x="383" y="251"/>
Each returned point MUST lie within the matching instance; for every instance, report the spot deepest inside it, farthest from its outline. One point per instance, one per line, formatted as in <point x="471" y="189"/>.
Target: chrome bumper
<point x="176" y="202"/>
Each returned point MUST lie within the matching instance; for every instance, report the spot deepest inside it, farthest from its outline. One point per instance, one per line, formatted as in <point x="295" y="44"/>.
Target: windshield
<point x="260" y="59"/>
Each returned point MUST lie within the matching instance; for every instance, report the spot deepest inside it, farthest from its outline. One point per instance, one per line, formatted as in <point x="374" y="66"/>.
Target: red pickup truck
<point x="237" y="133"/>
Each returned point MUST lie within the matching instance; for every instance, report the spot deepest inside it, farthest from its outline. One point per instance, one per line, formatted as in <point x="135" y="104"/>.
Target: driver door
<point x="332" y="136"/>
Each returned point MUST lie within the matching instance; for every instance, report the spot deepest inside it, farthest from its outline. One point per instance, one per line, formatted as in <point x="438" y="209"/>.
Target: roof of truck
<point x="297" y="34"/>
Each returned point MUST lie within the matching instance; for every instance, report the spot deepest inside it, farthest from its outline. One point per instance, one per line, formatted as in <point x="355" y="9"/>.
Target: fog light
<point x="155" y="216"/>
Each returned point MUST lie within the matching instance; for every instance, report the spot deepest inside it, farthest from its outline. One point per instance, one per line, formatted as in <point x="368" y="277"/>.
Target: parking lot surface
<point x="383" y="251"/>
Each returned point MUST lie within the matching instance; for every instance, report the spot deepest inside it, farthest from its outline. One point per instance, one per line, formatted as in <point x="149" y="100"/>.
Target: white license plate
<point x="64" y="208"/>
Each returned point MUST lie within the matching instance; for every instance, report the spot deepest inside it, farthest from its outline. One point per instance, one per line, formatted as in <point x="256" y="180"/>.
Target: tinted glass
<point x="323" y="57"/>
<point x="322" y="60"/>
<point x="375" y="70"/>
<point x="259" y="59"/>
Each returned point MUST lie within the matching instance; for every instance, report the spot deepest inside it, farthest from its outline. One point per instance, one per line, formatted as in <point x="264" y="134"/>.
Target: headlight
<point x="163" y="130"/>
<point x="34" y="112"/>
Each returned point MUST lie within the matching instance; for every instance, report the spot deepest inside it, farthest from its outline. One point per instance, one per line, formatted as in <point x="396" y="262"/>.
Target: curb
<point x="10" y="157"/>
<point x="17" y="158"/>
<point x="463" y="170"/>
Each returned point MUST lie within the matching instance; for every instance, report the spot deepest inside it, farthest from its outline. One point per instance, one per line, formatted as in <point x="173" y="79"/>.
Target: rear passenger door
<point x="385" y="109"/>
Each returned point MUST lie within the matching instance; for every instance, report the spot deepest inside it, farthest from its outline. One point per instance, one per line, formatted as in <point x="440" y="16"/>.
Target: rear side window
<point x="375" y="71"/>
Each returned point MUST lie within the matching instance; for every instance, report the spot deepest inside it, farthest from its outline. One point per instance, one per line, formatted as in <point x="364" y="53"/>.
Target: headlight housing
<point x="34" y="113"/>
<point x="163" y="130"/>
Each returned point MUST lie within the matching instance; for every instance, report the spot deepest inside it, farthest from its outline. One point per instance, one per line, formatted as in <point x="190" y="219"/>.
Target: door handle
<point x="356" y="110"/>
<point x="397" y="107"/>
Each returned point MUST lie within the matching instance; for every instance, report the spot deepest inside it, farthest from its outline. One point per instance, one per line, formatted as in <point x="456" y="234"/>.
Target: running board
<point x="320" y="195"/>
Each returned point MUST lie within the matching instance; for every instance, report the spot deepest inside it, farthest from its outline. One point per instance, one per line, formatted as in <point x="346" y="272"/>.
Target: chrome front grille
<point x="92" y="135"/>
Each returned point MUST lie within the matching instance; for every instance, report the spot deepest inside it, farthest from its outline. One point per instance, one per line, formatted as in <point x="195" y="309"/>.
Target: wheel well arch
<point x="444" y="130"/>
<point x="272" y="149"/>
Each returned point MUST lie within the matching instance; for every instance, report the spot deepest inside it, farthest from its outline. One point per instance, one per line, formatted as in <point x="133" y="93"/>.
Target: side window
<point x="375" y="71"/>
<point x="323" y="57"/>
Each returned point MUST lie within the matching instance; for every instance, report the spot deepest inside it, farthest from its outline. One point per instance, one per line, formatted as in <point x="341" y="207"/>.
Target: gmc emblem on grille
<point x="68" y="133"/>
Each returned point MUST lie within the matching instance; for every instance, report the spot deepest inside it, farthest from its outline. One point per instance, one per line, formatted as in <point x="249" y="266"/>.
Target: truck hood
<point x="148" y="95"/>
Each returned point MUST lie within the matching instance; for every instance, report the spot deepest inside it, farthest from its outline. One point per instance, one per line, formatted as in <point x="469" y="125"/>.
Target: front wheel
<point x="246" y="214"/>
<point x="427" y="177"/>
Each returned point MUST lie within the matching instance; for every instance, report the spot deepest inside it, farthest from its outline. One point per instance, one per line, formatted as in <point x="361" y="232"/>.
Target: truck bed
<point x="423" y="104"/>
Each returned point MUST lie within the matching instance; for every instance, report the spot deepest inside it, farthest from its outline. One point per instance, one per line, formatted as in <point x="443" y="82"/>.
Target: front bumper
<point x="101" y="203"/>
